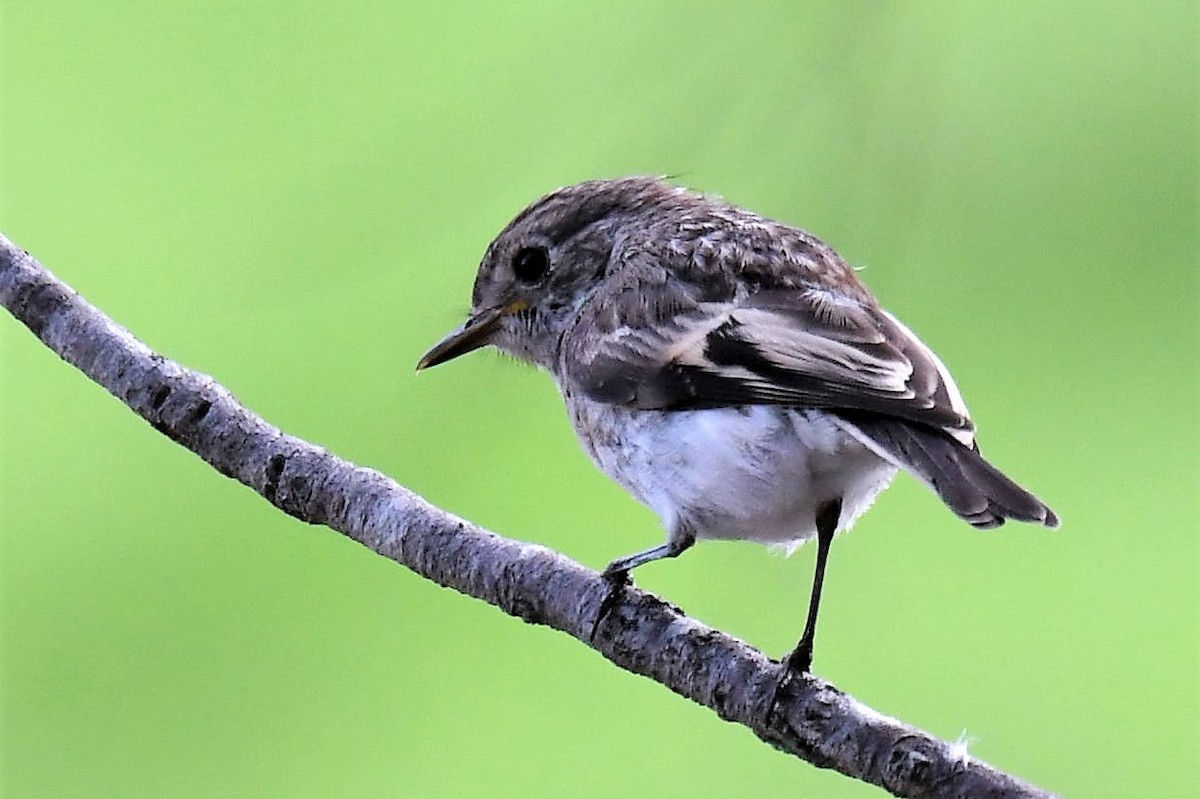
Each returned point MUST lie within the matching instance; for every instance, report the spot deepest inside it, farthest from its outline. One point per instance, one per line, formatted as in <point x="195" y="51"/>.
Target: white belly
<point x="753" y="472"/>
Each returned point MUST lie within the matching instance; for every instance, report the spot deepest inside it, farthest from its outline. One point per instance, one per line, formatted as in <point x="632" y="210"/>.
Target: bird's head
<point x="546" y="262"/>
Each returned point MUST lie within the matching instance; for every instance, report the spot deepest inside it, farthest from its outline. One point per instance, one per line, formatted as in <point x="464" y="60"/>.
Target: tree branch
<point x="803" y="716"/>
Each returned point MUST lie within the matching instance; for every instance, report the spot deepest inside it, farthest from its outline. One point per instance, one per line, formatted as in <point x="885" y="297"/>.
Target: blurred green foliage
<point x="293" y="197"/>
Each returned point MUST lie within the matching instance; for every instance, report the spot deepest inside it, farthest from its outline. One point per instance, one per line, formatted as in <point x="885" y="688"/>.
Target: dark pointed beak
<point x="475" y="333"/>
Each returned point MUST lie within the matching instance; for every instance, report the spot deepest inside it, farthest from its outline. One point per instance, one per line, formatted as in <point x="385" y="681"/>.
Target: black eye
<point x="530" y="264"/>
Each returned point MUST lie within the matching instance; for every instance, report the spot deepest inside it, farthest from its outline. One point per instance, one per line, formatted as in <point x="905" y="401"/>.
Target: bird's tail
<point x="969" y="485"/>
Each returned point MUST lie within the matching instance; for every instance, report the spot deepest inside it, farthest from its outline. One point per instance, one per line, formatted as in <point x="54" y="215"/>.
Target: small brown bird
<point x="730" y="371"/>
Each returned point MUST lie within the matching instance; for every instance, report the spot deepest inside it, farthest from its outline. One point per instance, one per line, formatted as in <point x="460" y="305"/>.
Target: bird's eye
<point x="530" y="264"/>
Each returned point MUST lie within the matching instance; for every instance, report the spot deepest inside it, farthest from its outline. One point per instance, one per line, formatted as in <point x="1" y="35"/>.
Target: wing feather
<point x="672" y="345"/>
<point x="738" y="310"/>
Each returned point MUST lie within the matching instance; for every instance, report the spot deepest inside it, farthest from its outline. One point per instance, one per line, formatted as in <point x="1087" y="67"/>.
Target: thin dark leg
<point x="617" y="572"/>
<point x="827" y="519"/>
<point x="619" y="569"/>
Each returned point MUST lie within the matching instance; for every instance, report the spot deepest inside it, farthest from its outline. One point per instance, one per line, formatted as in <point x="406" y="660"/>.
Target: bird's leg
<point x="617" y="572"/>
<point x="679" y="542"/>
<point x="827" y="520"/>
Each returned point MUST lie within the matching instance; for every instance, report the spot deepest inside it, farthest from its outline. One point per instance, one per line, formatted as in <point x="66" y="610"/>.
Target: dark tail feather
<point x="968" y="484"/>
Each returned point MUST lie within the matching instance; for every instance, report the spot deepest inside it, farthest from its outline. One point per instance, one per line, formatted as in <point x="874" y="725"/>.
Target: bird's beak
<point x="474" y="333"/>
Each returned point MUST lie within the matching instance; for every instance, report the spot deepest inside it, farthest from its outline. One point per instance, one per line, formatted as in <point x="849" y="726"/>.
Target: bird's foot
<point x="793" y="666"/>
<point x="799" y="660"/>
<point x="617" y="574"/>
<point x="618" y="580"/>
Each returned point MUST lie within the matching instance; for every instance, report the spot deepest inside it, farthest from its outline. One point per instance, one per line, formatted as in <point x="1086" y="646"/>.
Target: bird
<point x="732" y="372"/>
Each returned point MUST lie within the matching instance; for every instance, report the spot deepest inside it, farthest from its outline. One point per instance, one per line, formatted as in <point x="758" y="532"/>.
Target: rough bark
<point x="803" y="716"/>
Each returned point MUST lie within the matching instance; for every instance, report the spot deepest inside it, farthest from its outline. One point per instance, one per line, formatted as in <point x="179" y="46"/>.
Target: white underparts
<point x="755" y="472"/>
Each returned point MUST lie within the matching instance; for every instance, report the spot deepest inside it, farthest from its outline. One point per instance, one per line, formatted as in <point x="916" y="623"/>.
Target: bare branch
<point x="803" y="716"/>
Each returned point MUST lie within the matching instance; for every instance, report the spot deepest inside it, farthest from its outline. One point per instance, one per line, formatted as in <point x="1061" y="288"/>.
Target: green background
<point x="293" y="197"/>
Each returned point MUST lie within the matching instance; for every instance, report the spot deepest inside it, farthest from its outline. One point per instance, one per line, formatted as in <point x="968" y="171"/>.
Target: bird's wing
<point x="649" y="339"/>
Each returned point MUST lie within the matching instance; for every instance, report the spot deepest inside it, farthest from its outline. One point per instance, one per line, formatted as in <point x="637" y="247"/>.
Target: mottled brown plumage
<point x="731" y="371"/>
